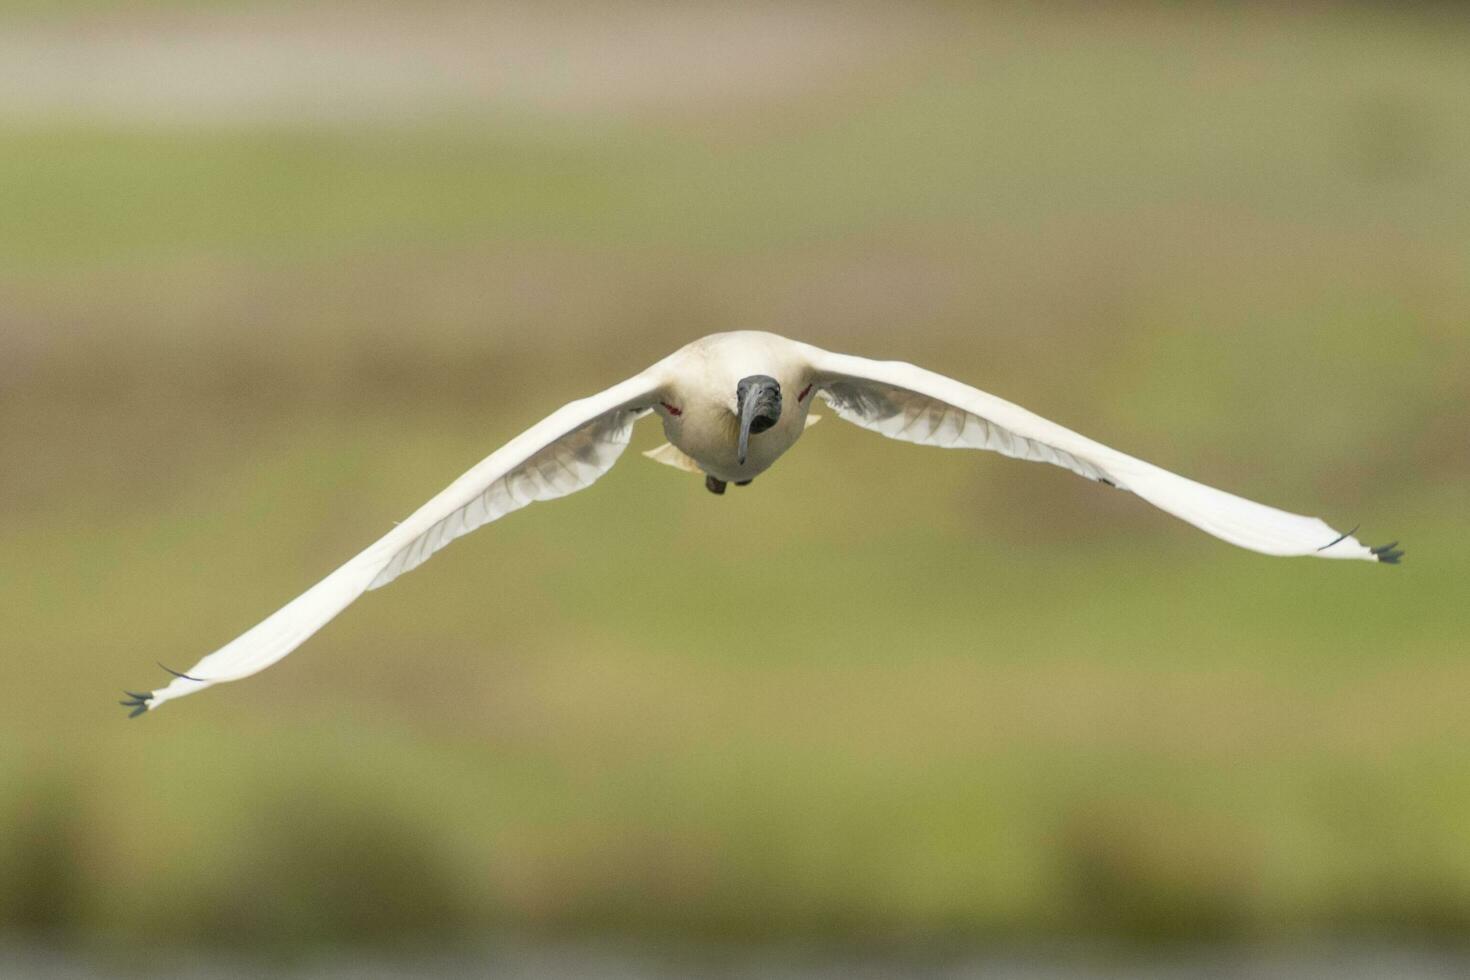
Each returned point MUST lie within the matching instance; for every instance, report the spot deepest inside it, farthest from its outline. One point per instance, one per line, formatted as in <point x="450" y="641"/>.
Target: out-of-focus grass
<point x="884" y="691"/>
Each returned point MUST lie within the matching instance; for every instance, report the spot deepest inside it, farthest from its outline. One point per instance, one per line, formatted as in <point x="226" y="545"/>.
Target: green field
<point x="885" y="692"/>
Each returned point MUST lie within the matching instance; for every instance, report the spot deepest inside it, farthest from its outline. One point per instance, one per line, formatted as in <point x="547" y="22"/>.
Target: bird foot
<point x="139" y="703"/>
<point x="1389" y="553"/>
<point x="743" y="483"/>
<point x="713" y="485"/>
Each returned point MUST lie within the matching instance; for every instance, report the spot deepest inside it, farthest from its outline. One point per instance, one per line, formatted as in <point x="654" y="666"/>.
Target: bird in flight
<point x="731" y="404"/>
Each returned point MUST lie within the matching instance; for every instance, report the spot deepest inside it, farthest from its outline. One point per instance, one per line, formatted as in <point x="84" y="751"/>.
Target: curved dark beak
<point x="759" y="398"/>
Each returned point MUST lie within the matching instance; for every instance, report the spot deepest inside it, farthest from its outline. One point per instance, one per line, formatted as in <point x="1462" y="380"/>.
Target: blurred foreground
<point x="632" y="961"/>
<point x="968" y="703"/>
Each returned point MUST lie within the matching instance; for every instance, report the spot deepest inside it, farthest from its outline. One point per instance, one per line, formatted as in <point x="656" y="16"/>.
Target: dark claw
<point x="139" y="703"/>
<point x="1389" y="553"/>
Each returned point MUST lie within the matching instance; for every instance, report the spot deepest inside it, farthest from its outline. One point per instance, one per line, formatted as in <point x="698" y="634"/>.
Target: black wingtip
<point x="1389" y="554"/>
<point x="1340" y="537"/>
<point x="179" y="673"/>
<point x="138" y="702"/>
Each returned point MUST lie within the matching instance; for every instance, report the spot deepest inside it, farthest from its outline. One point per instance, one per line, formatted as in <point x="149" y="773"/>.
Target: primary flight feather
<point x="731" y="404"/>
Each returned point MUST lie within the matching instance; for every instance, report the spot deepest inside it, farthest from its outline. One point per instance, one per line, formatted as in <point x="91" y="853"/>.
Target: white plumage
<point x="699" y="392"/>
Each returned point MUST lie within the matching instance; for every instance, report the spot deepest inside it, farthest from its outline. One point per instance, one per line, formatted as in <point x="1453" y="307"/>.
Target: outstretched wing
<point x="563" y="453"/>
<point x="909" y="403"/>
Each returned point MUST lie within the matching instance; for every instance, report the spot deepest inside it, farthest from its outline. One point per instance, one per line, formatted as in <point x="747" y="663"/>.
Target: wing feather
<point x="565" y="452"/>
<point x="905" y="402"/>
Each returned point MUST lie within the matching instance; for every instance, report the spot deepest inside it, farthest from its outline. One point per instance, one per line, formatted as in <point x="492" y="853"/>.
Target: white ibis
<point x="731" y="404"/>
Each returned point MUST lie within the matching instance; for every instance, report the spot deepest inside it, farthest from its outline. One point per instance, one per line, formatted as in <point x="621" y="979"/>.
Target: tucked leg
<point x="713" y="485"/>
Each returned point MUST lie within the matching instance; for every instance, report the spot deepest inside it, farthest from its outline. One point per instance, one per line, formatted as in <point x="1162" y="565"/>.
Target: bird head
<point x="758" y="403"/>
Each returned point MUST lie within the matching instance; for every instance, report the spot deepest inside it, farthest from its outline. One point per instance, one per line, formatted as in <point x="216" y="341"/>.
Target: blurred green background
<point x="271" y="275"/>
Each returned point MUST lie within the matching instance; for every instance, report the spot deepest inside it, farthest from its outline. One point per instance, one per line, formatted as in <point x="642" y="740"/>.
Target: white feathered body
<point x="703" y="380"/>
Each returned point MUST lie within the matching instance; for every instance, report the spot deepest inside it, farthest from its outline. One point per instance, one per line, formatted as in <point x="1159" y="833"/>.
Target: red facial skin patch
<point x="671" y="409"/>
